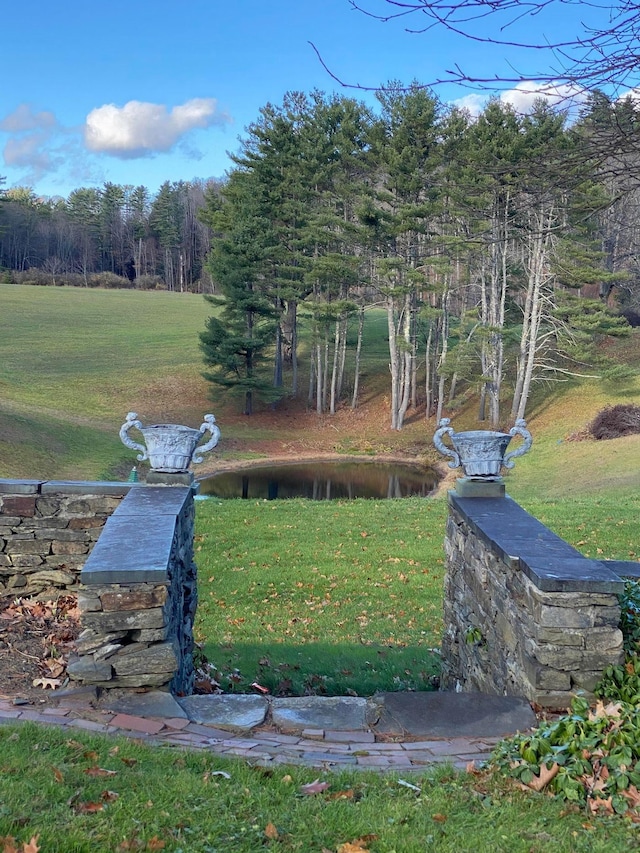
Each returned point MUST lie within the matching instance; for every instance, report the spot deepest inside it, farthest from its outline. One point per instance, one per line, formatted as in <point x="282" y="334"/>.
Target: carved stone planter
<point x="481" y="453"/>
<point x="170" y="447"/>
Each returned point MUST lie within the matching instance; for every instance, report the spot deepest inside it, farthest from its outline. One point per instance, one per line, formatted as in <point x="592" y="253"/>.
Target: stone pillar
<point x="139" y="593"/>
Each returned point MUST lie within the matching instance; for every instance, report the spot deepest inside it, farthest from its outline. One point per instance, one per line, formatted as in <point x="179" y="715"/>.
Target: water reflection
<point x="323" y="481"/>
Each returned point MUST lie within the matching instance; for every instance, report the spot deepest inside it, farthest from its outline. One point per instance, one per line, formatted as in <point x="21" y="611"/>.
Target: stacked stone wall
<point x="525" y="613"/>
<point x="47" y="531"/>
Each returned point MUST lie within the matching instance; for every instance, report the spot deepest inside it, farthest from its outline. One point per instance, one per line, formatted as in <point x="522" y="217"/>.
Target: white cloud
<point x="524" y="96"/>
<point x="140" y="129"/>
<point x="474" y="103"/>
<point x="38" y="146"/>
<point x="23" y="119"/>
<point x="632" y="94"/>
<point x="28" y="151"/>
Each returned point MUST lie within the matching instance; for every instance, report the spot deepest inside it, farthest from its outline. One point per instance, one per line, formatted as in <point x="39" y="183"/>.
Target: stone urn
<point x="481" y="453"/>
<point x="170" y="447"/>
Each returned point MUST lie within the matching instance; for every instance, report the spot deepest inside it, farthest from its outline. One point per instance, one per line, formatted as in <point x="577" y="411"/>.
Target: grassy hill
<point x="73" y="362"/>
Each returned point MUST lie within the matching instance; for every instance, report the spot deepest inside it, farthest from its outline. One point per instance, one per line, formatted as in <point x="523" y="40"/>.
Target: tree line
<point x="502" y="248"/>
<point x="109" y="236"/>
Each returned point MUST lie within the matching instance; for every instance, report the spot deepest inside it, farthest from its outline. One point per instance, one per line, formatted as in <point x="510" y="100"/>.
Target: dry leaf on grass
<point x="97" y="772"/>
<point x="88" y="808"/>
<point x="342" y="795"/>
<point x="109" y="796"/>
<point x="358" y="845"/>
<point x="271" y="831"/>
<point x="315" y="787"/>
<point x="9" y="845"/>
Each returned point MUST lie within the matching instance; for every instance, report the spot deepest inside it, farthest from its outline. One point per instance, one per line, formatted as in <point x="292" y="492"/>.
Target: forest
<point x="503" y="248"/>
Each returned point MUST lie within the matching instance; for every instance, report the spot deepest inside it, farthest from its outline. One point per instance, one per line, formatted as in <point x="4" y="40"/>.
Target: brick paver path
<point x="312" y="748"/>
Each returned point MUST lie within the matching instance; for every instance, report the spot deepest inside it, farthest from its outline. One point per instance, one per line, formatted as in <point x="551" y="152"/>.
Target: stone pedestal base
<point x="166" y="478"/>
<point x="466" y="487"/>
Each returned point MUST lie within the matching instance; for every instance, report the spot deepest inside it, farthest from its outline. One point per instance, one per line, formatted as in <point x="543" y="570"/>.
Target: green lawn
<point x="336" y="597"/>
<point x="79" y="793"/>
<point x="73" y="362"/>
<point x="323" y="597"/>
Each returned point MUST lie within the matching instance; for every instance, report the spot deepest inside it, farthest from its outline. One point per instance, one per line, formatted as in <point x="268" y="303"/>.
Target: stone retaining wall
<point x="525" y="613"/>
<point x="48" y="529"/>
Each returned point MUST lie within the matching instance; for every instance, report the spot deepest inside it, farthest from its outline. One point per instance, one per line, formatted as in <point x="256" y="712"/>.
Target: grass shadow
<point x="322" y="669"/>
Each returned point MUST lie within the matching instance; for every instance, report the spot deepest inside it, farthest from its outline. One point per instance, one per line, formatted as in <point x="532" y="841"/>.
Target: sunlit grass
<point x="324" y="597"/>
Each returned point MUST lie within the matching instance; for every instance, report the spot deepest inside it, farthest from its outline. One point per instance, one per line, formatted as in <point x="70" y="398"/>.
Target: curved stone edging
<point x="323" y="750"/>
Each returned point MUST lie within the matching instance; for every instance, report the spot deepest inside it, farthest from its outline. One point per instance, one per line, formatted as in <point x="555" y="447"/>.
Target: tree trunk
<point x="356" y="373"/>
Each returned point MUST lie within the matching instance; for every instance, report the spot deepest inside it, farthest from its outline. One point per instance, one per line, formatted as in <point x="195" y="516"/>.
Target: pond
<point x="323" y="481"/>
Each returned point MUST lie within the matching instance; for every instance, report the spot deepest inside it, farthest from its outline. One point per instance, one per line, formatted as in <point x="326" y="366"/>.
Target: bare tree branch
<point x="603" y="55"/>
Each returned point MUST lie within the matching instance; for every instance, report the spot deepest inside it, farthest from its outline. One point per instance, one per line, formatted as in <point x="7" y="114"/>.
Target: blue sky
<point x="139" y="92"/>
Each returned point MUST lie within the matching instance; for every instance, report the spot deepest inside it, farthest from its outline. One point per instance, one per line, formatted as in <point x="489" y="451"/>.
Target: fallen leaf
<point x="57" y="774"/>
<point x="47" y="682"/>
<point x="97" y="772"/>
<point x="8" y="842"/>
<point x="439" y="818"/>
<point x="315" y="787"/>
<point x="130" y="762"/>
<point x="91" y="755"/>
<point x="271" y="831"/>
<point x="109" y="796"/>
<point x="54" y="666"/>
<point x="210" y="773"/>
<point x="127" y="845"/>
<point x="358" y="845"/>
<point x="88" y="808"/>
<point x="599" y="804"/>
<point x="155" y="843"/>
<point x="543" y="778"/>
<point x="633" y="795"/>
<point x="32" y="846"/>
<point x="342" y="795"/>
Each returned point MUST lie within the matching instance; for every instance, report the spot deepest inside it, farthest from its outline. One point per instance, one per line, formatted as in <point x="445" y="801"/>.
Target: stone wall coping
<point x="521" y="540"/>
<point x="624" y="568"/>
<point x="70" y="487"/>
<point x="20" y="487"/>
<point x="135" y="543"/>
<point x="151" y="501"/>
<point x="86" y="487"/>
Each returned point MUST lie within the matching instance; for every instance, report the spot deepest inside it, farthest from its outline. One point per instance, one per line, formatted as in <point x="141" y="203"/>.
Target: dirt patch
<point x="36" y="638"/>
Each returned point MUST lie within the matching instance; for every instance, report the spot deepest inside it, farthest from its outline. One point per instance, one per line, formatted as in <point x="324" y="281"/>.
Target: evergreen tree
<point x="236" y="344"/>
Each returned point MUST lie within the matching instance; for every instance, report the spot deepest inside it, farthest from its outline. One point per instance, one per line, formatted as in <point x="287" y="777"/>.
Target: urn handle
<point x="444" y="429"/>
<point x="520" y="428"/>
<point x="211" y="426"/>
<point x="132" y="421"/>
